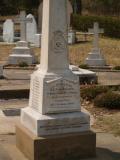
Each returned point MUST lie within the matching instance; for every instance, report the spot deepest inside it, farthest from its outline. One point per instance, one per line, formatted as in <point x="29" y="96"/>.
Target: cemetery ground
<point x="78" y="52"/>
<point x="105" y="122"/>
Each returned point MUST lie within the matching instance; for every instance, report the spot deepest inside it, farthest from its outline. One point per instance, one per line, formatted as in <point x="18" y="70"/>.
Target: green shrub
<point x="84" y="66"/>
<point x="90" y="92"/>
<point x="116" y="68"/>
<point x="23" y="64"/>
<point x="111" y="25"/>
<point x="109" y="100"/>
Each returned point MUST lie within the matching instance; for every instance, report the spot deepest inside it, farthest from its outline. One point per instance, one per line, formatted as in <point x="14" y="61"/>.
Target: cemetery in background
<point x="75" y="81"/>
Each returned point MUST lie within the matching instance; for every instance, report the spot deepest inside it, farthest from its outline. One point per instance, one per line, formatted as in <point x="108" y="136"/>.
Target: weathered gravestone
<point x="95" y="58"/>
<point x="22" y="52"/>
<point x="8" y="31"/>
<point x="53" y="125"/>
<point x="31" y="29"/>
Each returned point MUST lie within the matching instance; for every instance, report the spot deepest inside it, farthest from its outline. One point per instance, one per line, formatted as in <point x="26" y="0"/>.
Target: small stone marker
<point x="31" y="29"/>
<point x="8" y="31"/>
<point x="71" y="37"/>
<point x="53" y="123"/>
<point x="22" y="52"/>
<point x="37" y="42"/>
<point x="95" y="58"/>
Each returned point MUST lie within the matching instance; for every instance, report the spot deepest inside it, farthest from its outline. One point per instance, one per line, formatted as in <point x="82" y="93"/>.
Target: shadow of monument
<point x="104" y="154"/>
<point x="3" y="154"/>
<point x="101" y="154"/>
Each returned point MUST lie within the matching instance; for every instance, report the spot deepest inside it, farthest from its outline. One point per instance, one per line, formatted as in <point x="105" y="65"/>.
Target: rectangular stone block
<point x="60" y="147"/>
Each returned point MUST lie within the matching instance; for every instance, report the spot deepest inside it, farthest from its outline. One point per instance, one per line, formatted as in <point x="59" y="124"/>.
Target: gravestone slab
<point x="22" y="53"/>
<point x="95" y="58"/>
<point x="8" y="31"/>
<point x="11" y="112"/>
<point x="31" y="29"/>
<point x="85" y="76"/>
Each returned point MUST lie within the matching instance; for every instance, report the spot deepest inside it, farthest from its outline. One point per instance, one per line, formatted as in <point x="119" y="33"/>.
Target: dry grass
<point x="78" y="52"/>
<point x="110" y="48"/>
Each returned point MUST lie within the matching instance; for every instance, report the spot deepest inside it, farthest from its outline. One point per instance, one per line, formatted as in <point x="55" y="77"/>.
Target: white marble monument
<point x="95" y="58"/>
<point x="53" y="124"/>
<point x="22" y="51"/>
<point x="55" y="94"/>
<point x="8" y="31"/>
<point x="31" y="29"/>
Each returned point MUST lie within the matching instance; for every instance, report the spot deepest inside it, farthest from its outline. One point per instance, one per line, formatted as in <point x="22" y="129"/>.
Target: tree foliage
<point x="106" y="7"/>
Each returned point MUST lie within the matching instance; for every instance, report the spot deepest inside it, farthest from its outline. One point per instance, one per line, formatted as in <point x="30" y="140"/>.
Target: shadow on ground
<point x="105" y="154"/>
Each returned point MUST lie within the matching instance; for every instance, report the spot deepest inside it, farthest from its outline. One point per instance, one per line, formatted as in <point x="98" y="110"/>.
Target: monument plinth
<point x="95" y="57"/>
<point x="54" y="111"/>
<point x="22" y="52"/>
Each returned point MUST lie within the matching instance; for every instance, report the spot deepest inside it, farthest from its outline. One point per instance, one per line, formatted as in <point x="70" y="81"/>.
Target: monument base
<point x="95" y="58"/>
<point x="54" y="124"/>
<point x="56" y="147"/>
<point x="21" y="53"/>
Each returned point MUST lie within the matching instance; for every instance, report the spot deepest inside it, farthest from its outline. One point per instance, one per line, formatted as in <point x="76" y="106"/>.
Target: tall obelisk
<point x="54" y="106"/>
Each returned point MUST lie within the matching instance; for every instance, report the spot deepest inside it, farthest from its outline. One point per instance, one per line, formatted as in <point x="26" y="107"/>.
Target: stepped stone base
<point x="95" y="58"/>
<point x="55" y="147"/>
<point x="21" y="53"/>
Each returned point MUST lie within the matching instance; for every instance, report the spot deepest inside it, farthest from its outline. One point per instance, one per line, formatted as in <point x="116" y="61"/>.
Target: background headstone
<point x="71" y="37"/>
<point x="8" y="31"/>
<point x="95" y="58"/>
<point x="31" y="29"/>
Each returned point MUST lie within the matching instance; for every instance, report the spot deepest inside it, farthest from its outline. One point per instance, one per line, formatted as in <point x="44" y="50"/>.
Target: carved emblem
<point x="59" y="42"/>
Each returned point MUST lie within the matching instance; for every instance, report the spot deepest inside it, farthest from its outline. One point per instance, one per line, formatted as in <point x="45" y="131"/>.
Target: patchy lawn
<point x="105" y="120"/>
<point x="78" y="52"/>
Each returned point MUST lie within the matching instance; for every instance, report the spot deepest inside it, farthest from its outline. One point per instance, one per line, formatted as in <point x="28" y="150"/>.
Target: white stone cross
<point x="96" y="30"/>
<point x="22" y="20"/>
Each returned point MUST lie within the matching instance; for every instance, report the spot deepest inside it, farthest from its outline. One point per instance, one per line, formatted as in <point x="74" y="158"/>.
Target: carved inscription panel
<point x="35" y="94"/>
<point x="62" y="96"/>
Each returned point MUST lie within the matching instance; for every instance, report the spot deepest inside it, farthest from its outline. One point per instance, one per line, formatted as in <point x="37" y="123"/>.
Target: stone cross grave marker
<point x="23" y="21"/>
<point x="8" y="31"/>
<point x="95" y="58"/>
<point x="96" y="31"/>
